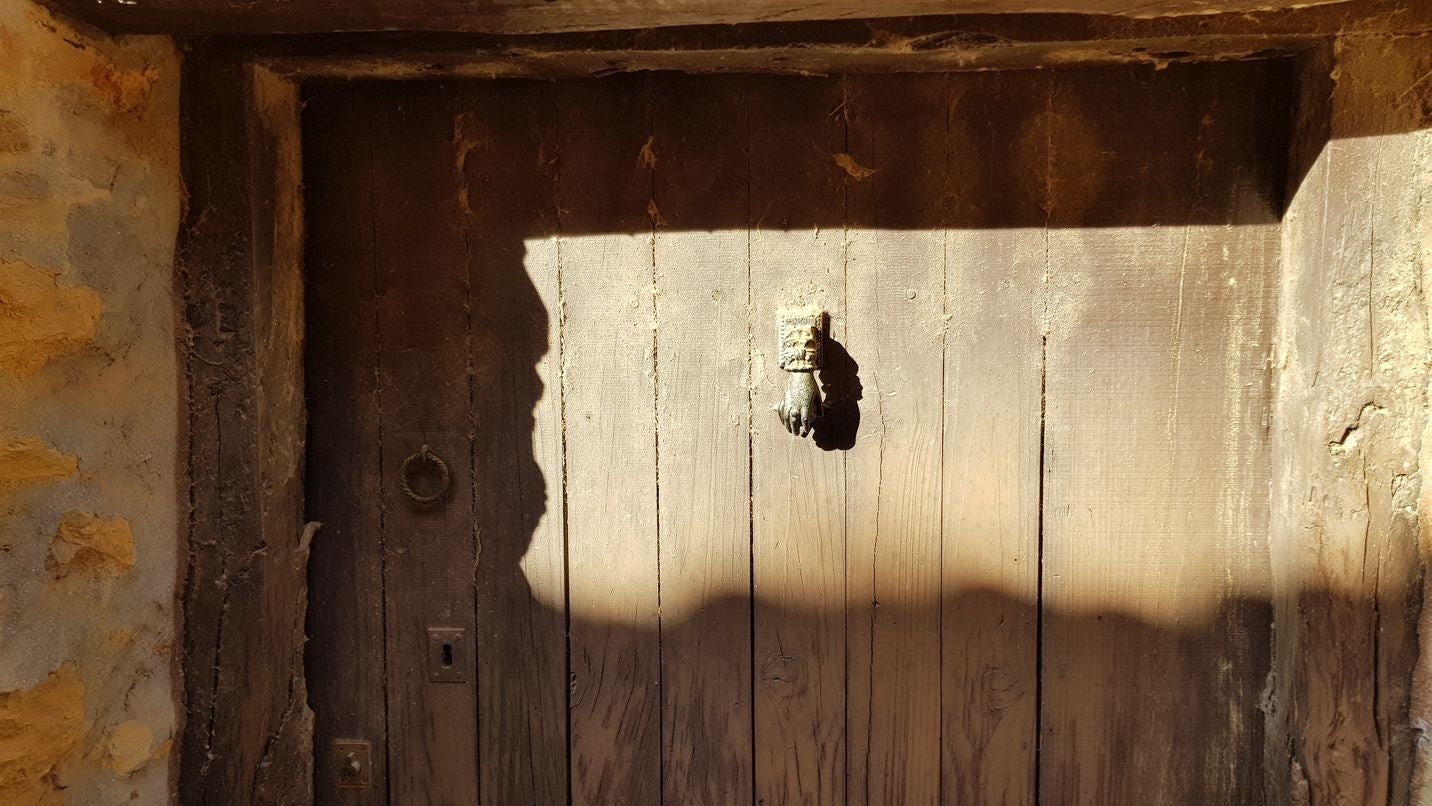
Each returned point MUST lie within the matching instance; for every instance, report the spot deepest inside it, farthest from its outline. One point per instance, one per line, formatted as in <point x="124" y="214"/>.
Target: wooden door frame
<point x="247" y="735"/>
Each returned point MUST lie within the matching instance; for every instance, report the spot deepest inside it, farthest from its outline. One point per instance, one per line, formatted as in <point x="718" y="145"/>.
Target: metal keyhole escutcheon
<point x="423" y="460"/>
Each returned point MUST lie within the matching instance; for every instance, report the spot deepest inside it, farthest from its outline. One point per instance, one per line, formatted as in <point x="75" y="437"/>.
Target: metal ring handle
<point x="425" y="454"/>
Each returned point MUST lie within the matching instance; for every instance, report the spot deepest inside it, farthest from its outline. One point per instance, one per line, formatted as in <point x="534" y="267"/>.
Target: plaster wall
<point x="89" y="206"/>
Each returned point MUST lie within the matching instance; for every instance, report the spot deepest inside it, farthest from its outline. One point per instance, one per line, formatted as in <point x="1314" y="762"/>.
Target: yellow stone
<point x="39" y="729"/>
<point x="40" y="319"/>
<point x="27" y="462"/>
<point x="131" y="745"/>
<point x="87" y="542"/>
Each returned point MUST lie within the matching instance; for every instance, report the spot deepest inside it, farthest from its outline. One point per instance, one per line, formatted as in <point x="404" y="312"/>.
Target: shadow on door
<point x="1026" y="552"/>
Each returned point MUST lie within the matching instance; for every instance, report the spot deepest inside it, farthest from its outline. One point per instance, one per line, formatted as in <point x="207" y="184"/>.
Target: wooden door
<point x="1023" y="557"/>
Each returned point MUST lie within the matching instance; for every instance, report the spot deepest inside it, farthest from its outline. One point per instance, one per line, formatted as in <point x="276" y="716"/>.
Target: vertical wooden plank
<point x="797" y="248"/>
<point x="423" y="394"/>
<point x="1345" y="529"/>
<point x="507" y="151"/>
<point x="698" y="148"/>
<point x="1386" y="78"/>
<point x="1303" y="332"/>
<point x="997" y="152"/>
<point x="248" y="735"/>
<point x="609" y="402"/>
<point x="345" y="653"/>
<point x="1156" y="636"/>
<point x="896" y="278"/>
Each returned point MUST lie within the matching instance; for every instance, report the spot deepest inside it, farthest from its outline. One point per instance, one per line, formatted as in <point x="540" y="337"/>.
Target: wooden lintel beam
<point x="906" y="44"/>
<point x="1095" y="19"/>
<point x="792" y="61"/>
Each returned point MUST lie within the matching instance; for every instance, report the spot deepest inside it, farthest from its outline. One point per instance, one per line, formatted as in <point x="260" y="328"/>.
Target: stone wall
<point x="89" y="206"/>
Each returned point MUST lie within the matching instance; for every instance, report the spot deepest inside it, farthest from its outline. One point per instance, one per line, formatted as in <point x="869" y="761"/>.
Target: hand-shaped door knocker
<point x="424" y="463"/>
<point x="802" y="338"/>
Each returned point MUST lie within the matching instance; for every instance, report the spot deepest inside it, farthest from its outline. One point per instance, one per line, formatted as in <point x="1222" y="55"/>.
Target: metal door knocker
<point x="424" y="459"/>
<point x="801" y="334"/>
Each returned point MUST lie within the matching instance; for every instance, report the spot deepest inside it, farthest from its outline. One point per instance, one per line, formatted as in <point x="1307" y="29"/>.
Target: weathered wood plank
<point x="423" y="366"/>
<point x="1156" y="622"/>
<point x="1395" y="70"/>
<point x="609" y="397"/>
<point x="507" y="153"/>
<point x="1300" y="255"/>
<point x="699" y="196"/>
<point x="997" y="150"/>
<point x="886" y="44"/>
<point x="895" y="274"/>
<point x="1348" y="430"/>
<point x="345" y="653"/>
<point x="277" y="227"/>
<point x="208" y="17"/>
<point x="1357" y="592"/>
<point x="797" y="241"/>
<point x="248" y="735"/>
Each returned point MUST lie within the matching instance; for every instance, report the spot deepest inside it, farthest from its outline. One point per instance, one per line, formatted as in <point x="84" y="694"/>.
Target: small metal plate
<point x="447" y="655"/>
<point x="352" y="764"/>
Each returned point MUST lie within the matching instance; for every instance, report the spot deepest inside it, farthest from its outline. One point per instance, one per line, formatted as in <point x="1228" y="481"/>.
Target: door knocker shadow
<point x="840" y="385"/>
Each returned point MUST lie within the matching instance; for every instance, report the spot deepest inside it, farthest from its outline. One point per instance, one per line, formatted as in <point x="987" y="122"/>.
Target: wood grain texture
<point x="324" y="16"/>
<point x="248" y="735"/>
<point x="893" y="657"/>
<point x="1291" y="434"/>
<point x="1156" y="445"/>
<point x="997" y="152"/>
<point x="895" y="283"/>
<point x="1348" y="426"/>
<point x="698" y="155"/>
<point x="423" y="366"/>
<point x="346" y="652"/>
<point x="507" y="153"/>
<point x="934" y="43"/>
<point x="797" y="241"/>
<point x="608" y="386"/>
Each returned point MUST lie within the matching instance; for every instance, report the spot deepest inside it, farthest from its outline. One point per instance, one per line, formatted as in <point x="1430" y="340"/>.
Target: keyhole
<point x="352" y="757"/>
<point x="445" y="645"/>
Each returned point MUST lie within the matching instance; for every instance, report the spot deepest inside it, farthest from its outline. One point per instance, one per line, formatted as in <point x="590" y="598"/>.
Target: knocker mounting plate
<point x="800" y="332"/>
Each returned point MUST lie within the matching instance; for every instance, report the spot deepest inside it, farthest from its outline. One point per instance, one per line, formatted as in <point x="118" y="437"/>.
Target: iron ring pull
<point x="424" y="455"/>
